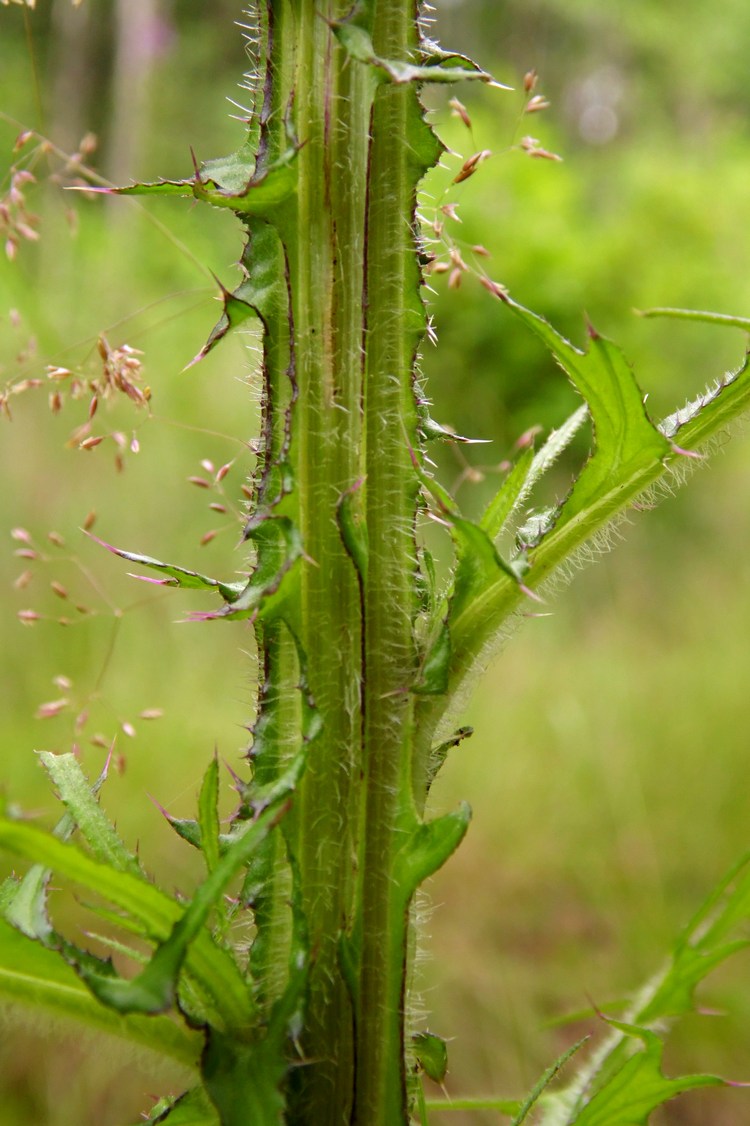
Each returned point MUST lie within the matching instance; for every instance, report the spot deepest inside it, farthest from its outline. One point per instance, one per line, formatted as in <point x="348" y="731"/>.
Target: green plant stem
<point x="389" y="651"/>
<point x="326" y="280"/>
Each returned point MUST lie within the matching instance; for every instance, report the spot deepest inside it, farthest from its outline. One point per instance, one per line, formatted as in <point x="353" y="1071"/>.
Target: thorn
<point x="234" y="775"/>
<point x="110" y="752"/>
<point x="225" y="293"/>
<point x="591" y="331"/>
<point x="160" y="807"/>
<point x="196" y="166"/>
<point x="687" y="453"/>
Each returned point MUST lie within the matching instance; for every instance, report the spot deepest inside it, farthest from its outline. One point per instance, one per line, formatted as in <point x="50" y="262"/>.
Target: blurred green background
<point x="609" y="772"/>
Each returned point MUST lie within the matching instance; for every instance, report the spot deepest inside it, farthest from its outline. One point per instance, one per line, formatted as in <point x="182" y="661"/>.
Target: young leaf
<point x="194" y="1108"/>
<point x="431" y="1053"/>
<point x="429" y="846"/>
<point x="24" y="903"/>
<point x="510" y="494"/>
<point x="529" y="469"/>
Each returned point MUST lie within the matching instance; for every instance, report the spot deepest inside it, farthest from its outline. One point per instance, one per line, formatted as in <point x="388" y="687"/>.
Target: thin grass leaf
<point x="223" y="990"/>
<point x="544" y="1081"/>
<point x="32" y="975"/>
<point x="725" y="319"/>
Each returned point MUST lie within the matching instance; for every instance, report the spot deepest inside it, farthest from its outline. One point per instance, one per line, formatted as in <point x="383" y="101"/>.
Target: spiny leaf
<point x="440" y="66"/>
<point x="233" y="182"/>
<point x="639" y="1087"/>
<point x="176" y="576"/>
<point x="716" y="408"/>
<point x="279" y="548"/>
<point x="262" y="293"/>
<point x="76" y="794"/>
<point x="625" y="438"/>
<point x="153" y="990"/>
<point x="27" y="907"/>
<point x="187" y="828"/>
<point x="703" y="945"/>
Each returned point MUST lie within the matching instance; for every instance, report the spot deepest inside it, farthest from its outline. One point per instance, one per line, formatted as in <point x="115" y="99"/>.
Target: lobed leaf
<point x="638" y="1087"/>
<point x="353" y="33"/>
<point x="703" y="945"/>
<point x="624" y="436"/>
